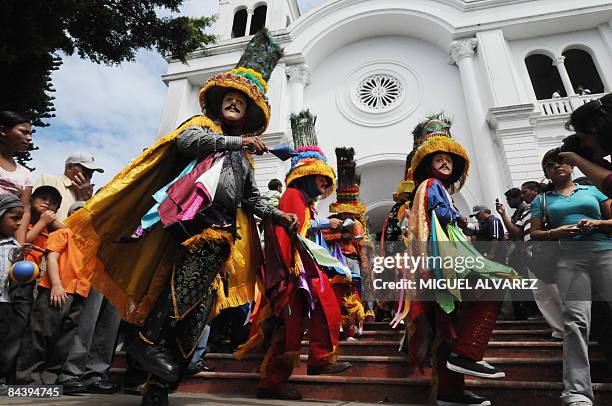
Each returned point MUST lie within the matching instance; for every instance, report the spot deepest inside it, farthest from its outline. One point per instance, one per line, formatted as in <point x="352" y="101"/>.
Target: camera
<point x="572" y="144"/>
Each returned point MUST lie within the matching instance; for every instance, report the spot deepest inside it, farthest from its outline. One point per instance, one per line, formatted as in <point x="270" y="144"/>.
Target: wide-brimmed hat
<point x="438" y="140"/>
<point x="249" y="77"/>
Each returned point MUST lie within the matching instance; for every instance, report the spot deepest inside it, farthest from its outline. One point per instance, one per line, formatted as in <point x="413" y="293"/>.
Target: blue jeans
<point x="201" y="347"/>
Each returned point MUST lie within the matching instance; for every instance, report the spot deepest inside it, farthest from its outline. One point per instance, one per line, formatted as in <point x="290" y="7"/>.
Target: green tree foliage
<point x="33" y="32"/>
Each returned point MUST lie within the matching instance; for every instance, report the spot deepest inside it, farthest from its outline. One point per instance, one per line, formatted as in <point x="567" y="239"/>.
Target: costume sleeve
<point x="437" y="200"/>
<point x="252" y="201"/>
<point x="197" y="141"/>
<point x="58" y="241"/>
<point x="291" y="202"/>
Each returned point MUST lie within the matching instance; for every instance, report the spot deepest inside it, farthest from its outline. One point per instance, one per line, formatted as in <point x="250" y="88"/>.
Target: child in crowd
<point x="56" y="310"/>
<point x="15" y="138"/>
<point x="11" y="213"/>
<point x="44" y="204"/>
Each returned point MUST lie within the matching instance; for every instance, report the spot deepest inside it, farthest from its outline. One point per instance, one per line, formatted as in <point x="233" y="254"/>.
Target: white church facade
<point x="372" y="69"/>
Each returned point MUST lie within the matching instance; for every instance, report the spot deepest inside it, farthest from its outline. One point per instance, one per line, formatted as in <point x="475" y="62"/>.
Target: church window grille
<point x="379" y="92"/>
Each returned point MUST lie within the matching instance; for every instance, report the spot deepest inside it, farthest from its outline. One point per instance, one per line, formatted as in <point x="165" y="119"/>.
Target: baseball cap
<point x="48" y="189"/>
<point x="75" y="206"/>
<point x="85" y="159"/>
<point x="477" y="209"/>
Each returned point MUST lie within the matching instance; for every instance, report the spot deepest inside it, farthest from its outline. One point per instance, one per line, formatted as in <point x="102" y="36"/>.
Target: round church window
<point x="379" y="92"/>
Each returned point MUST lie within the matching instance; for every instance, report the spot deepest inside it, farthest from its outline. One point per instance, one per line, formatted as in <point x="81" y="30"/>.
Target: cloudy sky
<point x="112" y="112"/>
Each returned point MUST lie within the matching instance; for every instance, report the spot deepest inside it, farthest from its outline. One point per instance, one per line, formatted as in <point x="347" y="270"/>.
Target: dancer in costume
<point x="294" y="286"/>
<point x="442" y="322"/>
<point x="396" y="221"/>
<point x="351" y="242"/>
<point x="181" y="196"/>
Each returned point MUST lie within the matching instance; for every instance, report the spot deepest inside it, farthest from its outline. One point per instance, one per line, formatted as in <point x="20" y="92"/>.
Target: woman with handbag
<point x="577" y="217"/>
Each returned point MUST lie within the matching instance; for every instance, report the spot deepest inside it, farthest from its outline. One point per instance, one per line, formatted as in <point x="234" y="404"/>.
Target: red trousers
<point x="476" y="325"/>
<point x="285" y="349"/>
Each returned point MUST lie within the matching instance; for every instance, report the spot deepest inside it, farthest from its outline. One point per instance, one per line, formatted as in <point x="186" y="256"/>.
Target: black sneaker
<point x="193" y="369"/>
<point x="467" y="399"/>
<point x="480" y="369"/>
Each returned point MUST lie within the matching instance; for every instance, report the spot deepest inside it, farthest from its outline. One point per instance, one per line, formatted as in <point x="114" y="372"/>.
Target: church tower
<point x="240" y="18"/>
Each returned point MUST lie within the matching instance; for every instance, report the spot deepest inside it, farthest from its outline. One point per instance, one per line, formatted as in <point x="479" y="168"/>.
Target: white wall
<point x="440" y="87"/>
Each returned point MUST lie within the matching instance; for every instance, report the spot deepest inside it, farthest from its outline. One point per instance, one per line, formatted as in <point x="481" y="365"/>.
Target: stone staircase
<point x="380" y="373"/>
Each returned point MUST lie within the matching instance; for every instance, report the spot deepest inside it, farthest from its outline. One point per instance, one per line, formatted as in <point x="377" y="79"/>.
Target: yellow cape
<point x="134" y="274"/>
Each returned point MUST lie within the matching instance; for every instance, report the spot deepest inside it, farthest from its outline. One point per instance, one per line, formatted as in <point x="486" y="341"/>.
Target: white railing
<point x="565" y="105"/>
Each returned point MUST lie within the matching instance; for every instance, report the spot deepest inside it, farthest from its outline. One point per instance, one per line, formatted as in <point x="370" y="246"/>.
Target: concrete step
<point x="546" y="369"/>
<point x="496" y="349"/>
<point x="499" y="325"/>
<point x="521" y="334"/>
<point x="414" y="390"/>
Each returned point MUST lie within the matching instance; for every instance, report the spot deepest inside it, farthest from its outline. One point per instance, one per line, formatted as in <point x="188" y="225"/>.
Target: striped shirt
<point x="8" y="253"/>
<point x="524" y="222"/>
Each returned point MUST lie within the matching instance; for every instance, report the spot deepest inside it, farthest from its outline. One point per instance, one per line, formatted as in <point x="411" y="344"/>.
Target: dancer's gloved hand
<point x="254" y="145"/>
<point x="289" y="221"/>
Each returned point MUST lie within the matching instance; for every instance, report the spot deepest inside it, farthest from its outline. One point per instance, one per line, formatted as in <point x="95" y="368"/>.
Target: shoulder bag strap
<point x="544" y="209"/>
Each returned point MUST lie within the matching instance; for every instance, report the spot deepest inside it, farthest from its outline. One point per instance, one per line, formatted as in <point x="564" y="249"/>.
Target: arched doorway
<point x="380" y="175"/>
<point x="582" y="71"/>
<point x="545" y="77"/>
<point x="259" y="19"/>
<point x="239" y="24"/>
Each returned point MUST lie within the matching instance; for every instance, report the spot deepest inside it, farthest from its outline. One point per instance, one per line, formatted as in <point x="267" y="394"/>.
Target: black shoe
<point x="281" y="394"/>
<point x="73" y="386"/>
<point x="155" y="396"/>
<point x="480" y="369"/>
<point x="467" y="399"/>
<point x="199" y="367"/>
<point x="154" y="360"/>
<point x="102" y="387"/>
<point x="332" y="368"/>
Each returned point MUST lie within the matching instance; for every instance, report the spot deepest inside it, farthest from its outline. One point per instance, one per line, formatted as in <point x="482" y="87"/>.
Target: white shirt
<point x="8" y="253"/>
<point x="15" y="182"/>
<point x="62" y="184"/>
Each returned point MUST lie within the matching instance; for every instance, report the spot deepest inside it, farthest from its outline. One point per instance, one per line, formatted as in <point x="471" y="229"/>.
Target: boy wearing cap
<point x="11" y="213"/>
<point x="44" y="202"/>
<point x="491" y="230"/>
<point x="75" y="184"/>
<point x="56" y="310"/>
